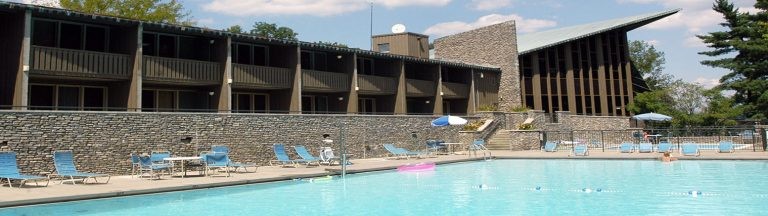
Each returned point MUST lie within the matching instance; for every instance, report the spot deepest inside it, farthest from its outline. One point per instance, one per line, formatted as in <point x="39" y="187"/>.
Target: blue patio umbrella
<point x="652" y="117"/>
<point x="448" y="120"/>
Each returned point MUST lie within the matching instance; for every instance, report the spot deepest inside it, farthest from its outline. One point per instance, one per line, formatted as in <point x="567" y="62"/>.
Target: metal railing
<point x="707" y="138"/>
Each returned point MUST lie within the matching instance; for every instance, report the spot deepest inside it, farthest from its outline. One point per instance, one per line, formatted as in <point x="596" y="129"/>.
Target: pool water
<point x="498" y="187"/>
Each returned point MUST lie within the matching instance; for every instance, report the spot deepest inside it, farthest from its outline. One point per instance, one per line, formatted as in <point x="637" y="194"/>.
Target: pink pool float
<point x="419" y="167"/>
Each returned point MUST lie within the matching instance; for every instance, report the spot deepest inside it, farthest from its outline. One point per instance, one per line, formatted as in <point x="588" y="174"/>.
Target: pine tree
<point x="744" y="51"/>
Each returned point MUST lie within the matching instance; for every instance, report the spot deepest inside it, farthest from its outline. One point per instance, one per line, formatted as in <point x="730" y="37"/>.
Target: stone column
<point x="21" y="90"/>
<point x="472" y="99"/>
<point x="351" y="68"/>
<point x="134" y="92"/>
<point x="223" y="95"/>
<point x="400" y="97"/>
<point x="295" y="59"/>
<point x="437" y="109"/>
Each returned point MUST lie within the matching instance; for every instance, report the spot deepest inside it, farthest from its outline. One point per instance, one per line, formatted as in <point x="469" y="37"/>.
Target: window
<point x="384" y="48"/>
<point x="95" y="38"/>
<point x="67" y="97"/>
<point x="250" y="103"/>
<point x="71" y="36"/>
<point x="44" y="33"/>
<point x="311" y="104"/>
<point x="260" y="55"/>
<point x="166" y="46"/>
<point x="366" y="106"/>
<point x="149" y="44"/>
<point x="365" y="66"/>
<point x="244" y="54"/>
<point x="166" y="101"/>
<point x="148" y="100"/>
<point x="41" y="97"/>
<point x="314" y="61"/>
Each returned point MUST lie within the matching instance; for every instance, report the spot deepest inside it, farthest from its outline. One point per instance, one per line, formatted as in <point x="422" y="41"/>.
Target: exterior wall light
<point x="341" y="98"/>
<point x="427" y="102"/>
<point x="210" y="93"/>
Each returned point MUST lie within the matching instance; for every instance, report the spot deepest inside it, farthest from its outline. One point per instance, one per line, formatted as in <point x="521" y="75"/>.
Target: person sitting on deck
<point x="667" y="157"/>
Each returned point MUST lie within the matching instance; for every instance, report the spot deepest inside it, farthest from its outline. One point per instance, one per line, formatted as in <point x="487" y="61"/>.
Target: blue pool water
<point x="499" y="187"/>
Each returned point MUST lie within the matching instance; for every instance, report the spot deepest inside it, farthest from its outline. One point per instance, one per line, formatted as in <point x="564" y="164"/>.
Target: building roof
<point x="59" y="12"/>
<point x="539" y="40"/>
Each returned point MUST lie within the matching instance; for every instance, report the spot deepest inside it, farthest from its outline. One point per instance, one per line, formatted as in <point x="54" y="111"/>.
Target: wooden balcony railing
<point x="455" y="90"/>
<point x="261" y="76"/>
<point x="419" y="88"/>
<point x="79" y="63"/>
<point x="181" y="70"/>
<point x="369" y="84"/>
<point x="325" y="81"/>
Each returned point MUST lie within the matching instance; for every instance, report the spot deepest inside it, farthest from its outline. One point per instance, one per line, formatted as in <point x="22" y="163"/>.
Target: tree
<point x="147" y="10"/>
<point x="234" y="29"/>
<point x="650" y="63"/>
<point x="336" y="44"/>
<point x="743" y="48"/>
<point x="271" y="30"/>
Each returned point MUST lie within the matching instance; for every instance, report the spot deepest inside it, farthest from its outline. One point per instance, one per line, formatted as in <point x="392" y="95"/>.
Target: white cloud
<point x="489" y="4"/>
<point x="693" y="21"/>
<point x="306" y="7"/>
<point x="694" y="41"/>
<point x="653" y="42"/>
<point x="707" y="82"/>
<point x="523" y="25"/>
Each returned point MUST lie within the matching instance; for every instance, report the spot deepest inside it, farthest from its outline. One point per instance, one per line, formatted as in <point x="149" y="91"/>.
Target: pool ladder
<point x="475" y="148"/>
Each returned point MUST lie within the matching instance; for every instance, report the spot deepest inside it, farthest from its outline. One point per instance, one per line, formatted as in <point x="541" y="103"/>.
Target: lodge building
<point x="55" y="59"/>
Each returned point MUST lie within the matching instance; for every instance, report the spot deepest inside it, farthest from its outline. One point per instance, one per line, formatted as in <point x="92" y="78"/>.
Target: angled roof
<point x="112" y="20"/>
<point x="540" y="40"/>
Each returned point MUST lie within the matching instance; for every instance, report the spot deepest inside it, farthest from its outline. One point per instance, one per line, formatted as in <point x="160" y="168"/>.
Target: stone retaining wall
<point x="103" y="141"/>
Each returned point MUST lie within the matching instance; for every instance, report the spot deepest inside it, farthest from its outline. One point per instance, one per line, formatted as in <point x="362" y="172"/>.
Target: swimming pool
<point x="499" y="187"/>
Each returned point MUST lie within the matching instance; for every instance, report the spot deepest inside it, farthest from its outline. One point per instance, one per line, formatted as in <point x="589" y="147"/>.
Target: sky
<point x="349" y="21"/>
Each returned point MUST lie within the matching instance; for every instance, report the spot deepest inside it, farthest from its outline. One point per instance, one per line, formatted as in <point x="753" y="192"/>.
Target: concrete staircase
<point x="499" y="141"/>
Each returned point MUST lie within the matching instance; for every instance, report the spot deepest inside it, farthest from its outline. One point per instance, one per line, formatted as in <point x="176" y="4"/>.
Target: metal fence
<point x="708" y="138"/>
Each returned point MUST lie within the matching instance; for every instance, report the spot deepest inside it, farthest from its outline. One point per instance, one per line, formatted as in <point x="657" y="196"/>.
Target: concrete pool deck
<point x="126" y="185"/>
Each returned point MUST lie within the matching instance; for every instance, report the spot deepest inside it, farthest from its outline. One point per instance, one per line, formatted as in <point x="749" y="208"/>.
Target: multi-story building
<point x="56" y="59"/>
<point x="583" y="69"/>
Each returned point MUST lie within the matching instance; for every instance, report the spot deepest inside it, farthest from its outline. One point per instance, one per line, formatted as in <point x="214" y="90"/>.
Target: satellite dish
<point x="398" y="28"/>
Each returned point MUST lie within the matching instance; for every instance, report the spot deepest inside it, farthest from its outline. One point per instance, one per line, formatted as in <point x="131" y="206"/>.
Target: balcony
<point x="181" y="70"/>
<point x="420" y="88"/>
<point x="321" y="81"/>
<point x="376" y="85"/>
<point x="52" y="61"/>
<point x="455" y="90"/>
<point x="262" y="77"/>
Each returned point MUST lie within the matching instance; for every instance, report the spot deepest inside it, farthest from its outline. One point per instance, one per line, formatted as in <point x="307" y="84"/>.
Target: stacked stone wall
<point x="103" y="141"/>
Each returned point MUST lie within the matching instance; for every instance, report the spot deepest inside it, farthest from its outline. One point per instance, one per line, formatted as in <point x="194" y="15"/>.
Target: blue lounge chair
<point x="726" y="147"/>
<point x="665" y="147"/>
<point x="580" y="149"/>
<point x="150" y="169"/>
<point x="282" y="157"/>
<point x="645" y="147"/>
<point x="396" y="152"/>
<point x="236" y="165"/>
<point x="627" y="147"/>
<point x="304" y="154"/>
<point x="216" y="160"/>
<point x="9" y="171"/>
<point x="434" y="146"/>
<point x="550" y="146"/>
<point x="690" y="149"/>
<point x="65" y="167"/>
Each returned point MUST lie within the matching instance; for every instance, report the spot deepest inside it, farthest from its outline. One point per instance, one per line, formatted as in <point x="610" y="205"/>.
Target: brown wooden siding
<point x="487" y="89"/>
<point x="587" y="76"/>
<point x="325" y="81"/>
<point x="419" y="88"/>
<point x="455" y="90"/>
<point x="369" y="84"/>
<point x="181" y="70"/>
<point x="261" y="76"/>
<point x="79" y="63"/>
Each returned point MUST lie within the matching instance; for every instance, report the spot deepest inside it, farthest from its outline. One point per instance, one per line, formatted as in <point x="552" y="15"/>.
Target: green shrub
<point x="473" y="126"/>
<point x="525" y="126"/>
